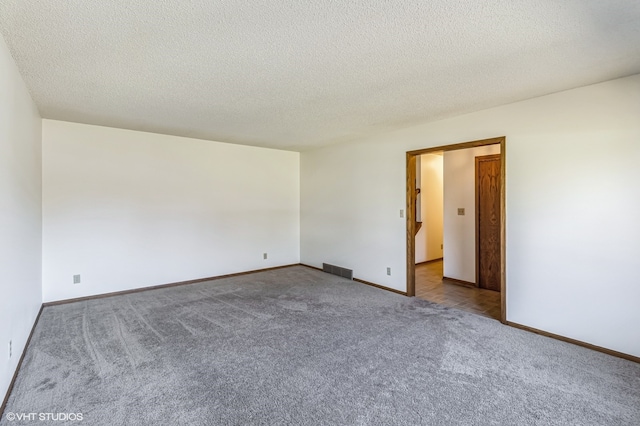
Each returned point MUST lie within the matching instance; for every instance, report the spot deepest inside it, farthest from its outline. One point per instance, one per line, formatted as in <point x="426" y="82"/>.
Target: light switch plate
<point x="461" y="212"/>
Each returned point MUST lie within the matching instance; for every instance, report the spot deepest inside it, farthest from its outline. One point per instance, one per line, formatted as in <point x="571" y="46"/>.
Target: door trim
<point x="411" y="219"/>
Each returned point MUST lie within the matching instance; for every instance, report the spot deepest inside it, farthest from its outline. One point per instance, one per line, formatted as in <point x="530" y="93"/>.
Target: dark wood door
<point x="488" y="222"/>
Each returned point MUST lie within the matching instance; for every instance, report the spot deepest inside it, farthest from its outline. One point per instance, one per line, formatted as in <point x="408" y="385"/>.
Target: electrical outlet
<point x="388" y="271"/>
<point x="10" y="350"/>
<point x="460" y="211"/>
<point x="264" y="255"/>
<point x="76" y="279"/>
<point x="401" y="213"/>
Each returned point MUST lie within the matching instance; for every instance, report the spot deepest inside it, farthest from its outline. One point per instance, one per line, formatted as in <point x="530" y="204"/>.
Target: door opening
<point x="494" y="247"/>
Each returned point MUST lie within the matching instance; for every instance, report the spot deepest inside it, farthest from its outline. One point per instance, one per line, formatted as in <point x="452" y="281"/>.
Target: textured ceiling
<point x="295" y="74"/>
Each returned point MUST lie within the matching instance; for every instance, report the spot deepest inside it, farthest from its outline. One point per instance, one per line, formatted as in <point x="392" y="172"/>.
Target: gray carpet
<point x="297" y="346"/>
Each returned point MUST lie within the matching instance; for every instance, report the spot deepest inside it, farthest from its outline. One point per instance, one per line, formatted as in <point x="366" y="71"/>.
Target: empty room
<point x="223" y="213"/>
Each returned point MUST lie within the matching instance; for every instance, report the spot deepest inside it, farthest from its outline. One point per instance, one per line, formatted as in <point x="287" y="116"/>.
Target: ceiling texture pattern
<point x="293" y="74"/>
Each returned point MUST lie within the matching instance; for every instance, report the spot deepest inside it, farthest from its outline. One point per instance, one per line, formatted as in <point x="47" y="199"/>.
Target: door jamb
<point x="411" y="220"/>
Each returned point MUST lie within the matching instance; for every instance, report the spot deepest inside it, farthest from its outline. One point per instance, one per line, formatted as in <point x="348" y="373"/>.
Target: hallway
<point x="431" y="287"/>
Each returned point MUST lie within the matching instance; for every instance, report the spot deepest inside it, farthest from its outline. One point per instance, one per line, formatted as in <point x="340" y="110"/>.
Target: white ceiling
<point x="295" y="74"/>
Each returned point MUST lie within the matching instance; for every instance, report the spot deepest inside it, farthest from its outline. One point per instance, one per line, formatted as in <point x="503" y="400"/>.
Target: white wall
<point x="129" y="209"/>
<point x="572" y="188"/>
<point x="429" y="239"/>
<point x="460" y="192"/>
<point x="20" y="215"/>
<point x="350" y="210"/>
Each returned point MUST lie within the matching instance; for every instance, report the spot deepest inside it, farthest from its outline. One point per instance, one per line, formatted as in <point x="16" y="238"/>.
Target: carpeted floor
<point x="296" y="346"/>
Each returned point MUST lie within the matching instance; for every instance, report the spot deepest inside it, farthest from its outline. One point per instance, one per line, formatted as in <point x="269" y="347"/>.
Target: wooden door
<point x="488" y="222"/>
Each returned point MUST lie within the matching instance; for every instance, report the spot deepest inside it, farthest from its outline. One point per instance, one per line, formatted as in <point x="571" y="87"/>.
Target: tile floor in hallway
<point x="430" y="286"/>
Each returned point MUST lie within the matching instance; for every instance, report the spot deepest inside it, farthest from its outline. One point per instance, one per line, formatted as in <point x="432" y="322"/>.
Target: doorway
<point x="492" y="220"/>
